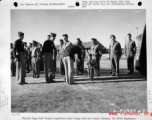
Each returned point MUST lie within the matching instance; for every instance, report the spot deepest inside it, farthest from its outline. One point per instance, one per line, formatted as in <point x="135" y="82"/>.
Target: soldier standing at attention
<point x="80" y="64"/>
<point x="35" y="60"/>
<point x="96" y="55"/>
<point x="13" y="64"/>
<point x="130" y="48"/>
<point x="61" y="52"/>
<point x="53" y="62"/>
<point x="20" y="60"/>
<point x="47" y="52"/>
<point x="115" y="53"/>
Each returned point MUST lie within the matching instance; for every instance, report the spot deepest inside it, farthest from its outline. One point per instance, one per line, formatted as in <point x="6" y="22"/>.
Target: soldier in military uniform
<point x="61" y="52"/>
<point x="115" y="55"/>
<point x="20" y="59"/>
<point x="53" y="62"/>
<point x="96" y="55"/>
<point x="130" y="49"/>
<point x="80" y="64"/>
<point x="66" y="41"/>
<point x="35" y="60"/>
<point x="41" y="59"/>
<point x="26" y="57"/>
<point x="29" y="54"/>
<point x="13" y="64"/>
<point x="68" y="58"/>
<point x="48" y="53"/>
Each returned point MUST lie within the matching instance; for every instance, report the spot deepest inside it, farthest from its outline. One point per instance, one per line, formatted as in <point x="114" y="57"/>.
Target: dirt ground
<point x="102" y="95"/>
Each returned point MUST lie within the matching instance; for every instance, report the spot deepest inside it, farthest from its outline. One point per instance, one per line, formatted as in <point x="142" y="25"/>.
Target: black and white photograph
<point x="78" y="61"/>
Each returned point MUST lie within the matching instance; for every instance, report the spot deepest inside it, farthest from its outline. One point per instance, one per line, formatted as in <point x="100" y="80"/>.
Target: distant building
<point x="87" y="46"/>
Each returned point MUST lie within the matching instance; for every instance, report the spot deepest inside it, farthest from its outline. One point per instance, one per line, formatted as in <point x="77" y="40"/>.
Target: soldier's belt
<point x="34" y="56"/>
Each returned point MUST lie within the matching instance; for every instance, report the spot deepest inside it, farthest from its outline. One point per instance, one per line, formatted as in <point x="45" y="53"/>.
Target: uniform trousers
<point x="20" y="68"/>
<point x="69" y="69"/>
<point x="47" y="61"/>
<point x="62" y="71"/>
<point x="35" y="64"/>
<point x="97" y="68"/>
<point x="28" y="65"/>
<point x="130" y="63"/>
<point x="13" y="67"/>
<point x="53" y="67"/>
<point x="115" y="64"/>
<point x="79" y="66"/>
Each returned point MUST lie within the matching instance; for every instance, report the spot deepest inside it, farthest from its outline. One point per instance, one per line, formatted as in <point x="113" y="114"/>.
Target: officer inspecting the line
<point x="130" y="49"/>
<point x="20" y="60"/>
<point x="69" y="59"/>
<point x="47" y="52"/>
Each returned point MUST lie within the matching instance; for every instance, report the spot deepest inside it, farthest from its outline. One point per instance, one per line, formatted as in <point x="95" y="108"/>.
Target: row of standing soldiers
<point x="30" y="58"/>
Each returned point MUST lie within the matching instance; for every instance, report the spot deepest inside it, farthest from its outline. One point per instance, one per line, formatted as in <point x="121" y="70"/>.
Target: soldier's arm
<point x="120" y="49"/>
<point x="100" y="50"/>
<point x="54" y="50"/>
<point x="78" y="54"/>
<point x="83" y="52"/>
<point x="134" y="48"/>
<point x="43" y="48"/>
<point x="15" y="48"/>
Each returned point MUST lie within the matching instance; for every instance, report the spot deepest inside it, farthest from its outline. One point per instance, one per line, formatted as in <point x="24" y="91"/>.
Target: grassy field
<point x="102" y="95"/>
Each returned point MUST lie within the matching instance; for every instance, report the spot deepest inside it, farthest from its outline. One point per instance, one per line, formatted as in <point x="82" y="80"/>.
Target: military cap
<point x="30" y="43"/>
<point x="34" y="42"/>
<point x="94" y="39"/>
<point x="129" y="34"/>
<point x="65" y="35"/>
<point x="20" y="33"/>
<point x="113" y="36"/>
<point x="53" y="34"/>
<point x="78" y="39"/>
<point x="61" y="40"/>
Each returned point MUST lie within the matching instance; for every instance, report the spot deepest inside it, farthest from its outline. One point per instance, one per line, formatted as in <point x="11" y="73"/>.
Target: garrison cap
<point x="34" y="42"/>
<point x="61" y="40"/>
<point x="20" y="33"/>
<point x="94" y="39"/>
<point x="78" y="39"/>
<point x="65" y="35"/>
<point x="129" y="34"/>
<point x="53" y="34"/>
<point x="113" y="36"/>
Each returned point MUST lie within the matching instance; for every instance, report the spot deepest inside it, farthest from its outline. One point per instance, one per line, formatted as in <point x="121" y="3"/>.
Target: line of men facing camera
<point x="39" y="57"/>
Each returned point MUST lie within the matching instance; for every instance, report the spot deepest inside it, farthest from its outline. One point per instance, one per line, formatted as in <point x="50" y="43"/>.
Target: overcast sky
<point x="83" y="24"/>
